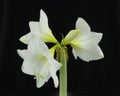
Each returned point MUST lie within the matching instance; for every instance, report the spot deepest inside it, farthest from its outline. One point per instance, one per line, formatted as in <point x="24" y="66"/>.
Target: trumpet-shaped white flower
<point x="39" y="62"/>
<point x="40" y="29"/>
<point x="84" y="42"/>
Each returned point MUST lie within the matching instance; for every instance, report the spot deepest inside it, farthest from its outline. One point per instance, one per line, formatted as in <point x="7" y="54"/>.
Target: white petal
<point x="88" y="49"/>
<point x="96" y="37"/>
<point x="54" y="63"/>
<point x="32" y="63"/>
<point x="29" y="67"/>
<point x="25" y="54"/>
<point x="34" y="27"/>
<point x="46" y="33"/>
<point x="46" y="71"/>
<point x="70" y="36"/>
<point x="39" y="82"/>
<point x="43" y="22"/>
<point x="36" y="46"/>
<point x="82" y="25"/>
<point x="84" y="29"/>
<point x="88" y="52"/>
<point x="54" y="76"/>
<point x="54" y="67"/>
<point x="29" y="64"/>
<point x="47" y="77"/>
<point x="42" y="75"/>
<point x="26" y="38"/>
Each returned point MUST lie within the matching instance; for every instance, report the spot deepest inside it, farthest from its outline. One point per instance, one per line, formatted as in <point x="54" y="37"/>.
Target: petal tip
<point x="23" y="40"/>
<point x="30" y="22"/>
<point x="18" y="51"/>
<point x="82" y="24"/>
<point x="80" y="18"/>
<point x="42" y="12"/>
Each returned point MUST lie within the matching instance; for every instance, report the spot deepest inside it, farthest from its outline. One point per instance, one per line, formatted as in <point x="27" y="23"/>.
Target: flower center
<point x="39" y="75"/>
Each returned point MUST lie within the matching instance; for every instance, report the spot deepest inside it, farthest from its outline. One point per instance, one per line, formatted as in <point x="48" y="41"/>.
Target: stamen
<point x="39" y="75"/>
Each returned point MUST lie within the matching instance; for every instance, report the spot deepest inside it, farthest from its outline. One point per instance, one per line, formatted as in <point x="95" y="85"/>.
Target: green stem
<point x="63" y="72"/>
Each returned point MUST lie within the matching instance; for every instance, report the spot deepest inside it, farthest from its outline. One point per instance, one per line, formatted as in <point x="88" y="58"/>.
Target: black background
<point x="98" y="78"/>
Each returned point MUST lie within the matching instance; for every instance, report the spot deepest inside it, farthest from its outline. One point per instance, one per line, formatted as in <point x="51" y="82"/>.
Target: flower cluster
<point x="39" y="59"/>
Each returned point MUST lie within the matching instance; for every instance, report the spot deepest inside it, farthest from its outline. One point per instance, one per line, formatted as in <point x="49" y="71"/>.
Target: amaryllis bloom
<point x="40" y="29"/>
<point x="84" y="42"/>
<point x="39" y="62"/>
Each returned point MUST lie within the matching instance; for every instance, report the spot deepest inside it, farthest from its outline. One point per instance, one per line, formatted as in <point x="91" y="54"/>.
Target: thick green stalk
<point x="63" y="72"/>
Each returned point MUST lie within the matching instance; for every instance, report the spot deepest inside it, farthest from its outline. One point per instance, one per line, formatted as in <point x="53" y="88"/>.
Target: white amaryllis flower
<point x="40" y="29"/>
<point x="39" y="62"/>
<point x="84" y="42"/>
